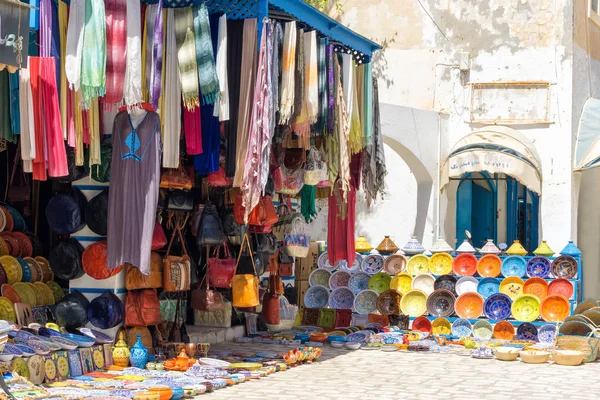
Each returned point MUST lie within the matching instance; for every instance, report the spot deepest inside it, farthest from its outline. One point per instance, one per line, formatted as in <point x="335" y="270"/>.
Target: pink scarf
<point x="116" y="50"/>
<point x="192" y="123"/>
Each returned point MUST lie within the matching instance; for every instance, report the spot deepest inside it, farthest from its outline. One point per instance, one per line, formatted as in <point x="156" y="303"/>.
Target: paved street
<point x="344" y="375"/>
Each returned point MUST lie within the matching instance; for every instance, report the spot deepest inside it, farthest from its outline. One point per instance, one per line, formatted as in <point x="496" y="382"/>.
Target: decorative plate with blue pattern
<point x="316" y="297"/>
<point x="497" y="307"/>
<point x="527" y="331"/>
<point x="341" y="298"/>
<point x="358" y="282"/>
<point x="538" y="267"/>
<point x="546" y="333"/>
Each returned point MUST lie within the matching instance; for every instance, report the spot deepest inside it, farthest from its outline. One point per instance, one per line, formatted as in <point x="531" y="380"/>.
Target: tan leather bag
<point x="176" y="269"/>
<point x="134" y="279"/>
<point x="244" y="287"/>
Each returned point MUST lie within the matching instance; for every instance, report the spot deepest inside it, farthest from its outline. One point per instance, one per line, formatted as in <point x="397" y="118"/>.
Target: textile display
<point x="93" y="60"/>
<point x="116" y="49"/>
<point x="222" y="105"/>
<point x="288" y="69"/>
<point x="186" y="56"/>
<point x="132" y="90"/>
<point x="235" y="33"/>
<point x="172" y="94"/>
<point x="207" y="73"/>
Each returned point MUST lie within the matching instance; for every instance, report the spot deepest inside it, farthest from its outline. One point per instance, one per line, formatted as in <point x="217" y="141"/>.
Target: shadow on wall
<point x="588" y="230"/>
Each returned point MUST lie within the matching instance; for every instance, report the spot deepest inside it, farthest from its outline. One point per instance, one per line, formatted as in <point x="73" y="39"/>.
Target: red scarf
<point x="116" y="50"/>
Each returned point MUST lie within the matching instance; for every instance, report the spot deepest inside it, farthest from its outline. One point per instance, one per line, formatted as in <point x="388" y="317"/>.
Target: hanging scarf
<point x="311" y="76"/>
<point x="146" y="47"/>
<point x="330" y="90"/>
<point x="13" y="87"/>
<point x="78" y="122"/>
<point x="348" y="81"/>
<point x="235" y="50"/>
<point x="368" y="104"/>
<point x="271" y="104"/>
<point x="288" y="70"/>
<point x="75" y="43"/>
<point x="322" y="79"/>
<point x="172" y="94"/>
<point x="222" y="105"/>
<point x="93" y="62"/>
<point x="343" y="133"/>
<point x="116" y="49"/>
<point x="132" y="90"/>
<point x="356" y="134"/>
<point x="207" y="73"/>
<point x="192" y="126"/>
<point x="94" y="133"/>
<point x="155" y="87"/>
<point x="64" y="92"/>
<point x="374" y="170"/>
<point x="359" y="82"/>
<point x="308" y="207"/>
<point x="276" y="71"/>
<point x="299" y="75"/>
<point x="26" y="121"/>
<point x="186" y="55"/>
<point x="5" y="129"/>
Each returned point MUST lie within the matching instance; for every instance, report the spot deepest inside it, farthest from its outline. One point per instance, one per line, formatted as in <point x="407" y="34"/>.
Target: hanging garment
<point x="13" y="87"/>
<point x="246" y="91"/>
<point x="343" y="135"/>
<point x="222" y="105"/>
<point x="193" y="131"/>
<point x="157" y="54"/>
<point x="330" y="90"/>
<point x="116" y="49"/>
<point x="340" y="224"/>
<point x="359" y="82"/>
<point x="374" y="170"/>
<point x="186" y="55"/>
<point x="235" y="38"/>
<point x="75" y="43"/>
<point x="311" y="76"/>
<point x="207" y="73"/>
<point x="39" y="163"/>
<point x="148" y="21"/>
<point x="78" y="122"/>
<point x="288" y="71"/>
<point x="133" y="190"/>
<point x="132" y="87"/>
<point x="5" y="128"/>
<point x="94" y="133"/>
<point x="348" y="81"/>
<point x="26" y="121"/>
<point x="276" y="71"/>
<point x="356" y="134"/>
<point x="299" y="75"/>
<point x="93" y="61"/>
<point x="320" y="126"/>
<point x="172" y="94"/>
<point x="64" y="88"/>
<point x="368" y="104"/>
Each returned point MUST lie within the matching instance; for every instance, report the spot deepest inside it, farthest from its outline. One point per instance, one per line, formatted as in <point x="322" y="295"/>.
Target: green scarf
<point x="5" y="129"/>
<point x="308" y="207"/>
<point x="186" y="55"/>
<point x="93" y="59"/>
<point x="207" y="72"/>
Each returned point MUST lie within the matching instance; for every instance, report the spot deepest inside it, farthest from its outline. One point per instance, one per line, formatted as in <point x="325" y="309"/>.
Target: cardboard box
<point x="304" y="266"/>
<point x="302" y="287"/>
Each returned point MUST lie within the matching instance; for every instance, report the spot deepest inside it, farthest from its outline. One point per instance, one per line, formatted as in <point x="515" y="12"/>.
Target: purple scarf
<point x="154" y="62"/>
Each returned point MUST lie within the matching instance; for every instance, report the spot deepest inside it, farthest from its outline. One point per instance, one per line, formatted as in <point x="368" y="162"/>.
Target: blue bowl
<point x="539" y="267"/>
<point x="514" y="266"/>
<point x="26" y="350"/>
<point x="497" y="307"/>
<point x="12" y="349"/>
<point x="527" y="331"/>
<point x="82" y="341"/>
<point x="488" y="286"/>
<point x="462" y="328"/>
<point x="177" y="393"/>
<point x="303" y="337"/>
<point x="336" y="338"/>
<point x="46" y="332"/>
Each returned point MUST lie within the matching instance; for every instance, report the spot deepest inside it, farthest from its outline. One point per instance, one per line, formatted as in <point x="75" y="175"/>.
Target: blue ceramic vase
<point x="138" y="355"/>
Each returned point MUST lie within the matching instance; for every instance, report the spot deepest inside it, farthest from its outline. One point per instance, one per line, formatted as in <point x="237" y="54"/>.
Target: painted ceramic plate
<point x="441" y="326"/>
<point x="339" y="279"/>
<point x="366" y="302"/>
<point x="26" y="294"/>
<point x="319" y="277"/>
<point x="7" y="310"/>
<point x="462" y="328"/>
<point x="488" y="286"/>
<point x="514" y="266"/>
<point x="81" y="340"/>
<point x="40" y="347"/>
<point x="57" y="291"/>
<point x="26" y="350"/>
<point x="504" y="330"/>
<point x="561" y="286"/>
<point x="547" y="333"/>
<point x="512" y="286"/>
<point x="422" y="324"/>
<point x="37" y="372"/>
<point x="489" y="266"/>
<point x="99" y="337"/>
<point x="440" y="264"/>
<point x="47" y="274"/>
<point x="358" y="282"/>
<point x="447" y="282"/>
<point x="12" y="268"/>
<point x="564" y="267"/>
<point x="441" y="303"/>
<point x="10" y="293"/>
<point x="357" y="337"/>
<point x="214" y="362"/>
<point x="424" y="282"/>
<point x="39" y="297"/>
<point x="20" y="367"/>
<point x="537" y="287"/>
<point x="538" y="267"/>
<point x="466" y="284"/>
<point x="26" y="270"/>
<point x="46" y="293"/>
<point x="388" y="302"/>
<point x="497" y="307"/>
<point x="341" y="298"/>
<point x="323" y="262"/>
<point x="355" y="267"/>
<point x="316" y="297"/>
<point x="469" y="305"/>
<point x="64" y="343"/>
<point x="483" y="330"/>
<point x="555" y="308"/>
<point x="25" y="242"/>
<point x="380" y="282"/>
<point x="464" y="264"/>
<point x="372" y="264"/>
<point x="418" y="265"/>
<point x="36" y="269"/>
<point x="414" y="303"/>
<point x="401" y="283"/>
<point x="526" y="308"/>
<point x="395" y="264"/>
<point x="527" y="331"/>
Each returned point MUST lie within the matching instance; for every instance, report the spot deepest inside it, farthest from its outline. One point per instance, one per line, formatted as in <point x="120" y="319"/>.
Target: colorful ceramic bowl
<point x="424" y="282"/>
<point x="441" y="326"/>
<point x="380" y="282"/>
<point x="26" y="270"/>
<point x="414" y="303"/>
<point x="7" y="310"/>
<point x="323" y="262"/>
<point x="512" y="287"/>
<point x="526" y="308"/>
<point x="462" y="328"/>
<point x="483" y="330"/>
<point x="504" y="330"/>
<point x="489" y="266"/>
<point x="358" y="282"/>
<point x="10" y="293"/>
<point x="466" y="284"/>
<point x="12" y="268"/>
<point x="355" y="267"/>
<point x="447" y="282"/>
<point x="402" y="283"/>
<point x="341" y="298"/>
<point x="547" y="333"/>
<point x="536" y="286"/>
<point x="561" y="286"/>
<point x="422" y="324"/>
<point x="488" y="286"/>
<point x="441" y="303"/>
<point x="395" y="264"/>
<point x="316" y="297"/>
<point x="440" y="264"/>
<point x="372" y="264"/>
<point x="418" y="264"/>
<point x="538" y="267"/>
<point x="388" y="302"/>
<point x="564" y="267"/>
<point x="514" y="266"/>
<point x="465" y="264"/>
<point x="527" y="331"/>
<point x="366" y="302"/>
<point x="555" y="308"/>
<point x="319" y="277"/>
<point x="82" y="341"/>
<point x="497" y="307"/>
<point x="338" y="279"/>
<point x="469" y="305"/>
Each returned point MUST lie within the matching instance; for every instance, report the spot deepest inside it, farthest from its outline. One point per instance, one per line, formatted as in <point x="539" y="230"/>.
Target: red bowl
<point x="465" y="264"/>
<point x="561" y="286"/>
<point x="422" y="324"/>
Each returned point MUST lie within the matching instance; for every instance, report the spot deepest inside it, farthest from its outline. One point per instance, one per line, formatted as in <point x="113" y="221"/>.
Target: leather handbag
<point x="210" y="230"/>
<point x="244" y="287"/>
<point x="270" y="309"/>
<point x="159" y="239"/>
<point x="177" y="179"/>
<point x="176" y="269"/>
<point x="219" y="179"/>
<point x="221" y="270"/>
<point x="134" y="279"/>
<point x="142" y="308"/>
<point x="179" y="200"/>
<point x="294" y="158"/>
<point x="204" y="299"/>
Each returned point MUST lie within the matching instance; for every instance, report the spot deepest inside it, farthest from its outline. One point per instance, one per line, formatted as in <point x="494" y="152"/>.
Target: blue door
<point x="476" y="211"/>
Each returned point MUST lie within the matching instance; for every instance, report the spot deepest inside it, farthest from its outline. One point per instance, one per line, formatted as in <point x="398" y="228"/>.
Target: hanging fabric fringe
<point x="207" y="73"/>
<point x="222" y="105"/>
<point x="26" y="121"/>
<point x="311" y="76"/>
<point x="186" y="55"/>
<point x="288" y="70"/>
<point x="75" y="43"/>
<point x="93" y="61"/>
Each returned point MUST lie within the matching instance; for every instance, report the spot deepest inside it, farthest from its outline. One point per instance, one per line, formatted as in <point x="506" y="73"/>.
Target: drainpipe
<point x="439" y="177"/>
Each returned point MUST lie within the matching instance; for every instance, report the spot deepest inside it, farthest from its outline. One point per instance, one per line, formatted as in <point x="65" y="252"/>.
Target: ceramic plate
<point x="514" y="266"/>
<point x="547" y="333"/>
<point x="561" y="286"/>
<point x="388" y="302"/>
<point x="40" y="347"/>
<point x="37" y="372"/>
<point x="564" y="267"/>
<point x="504" y="330"/>
<point x="402" y="283"/>
<point x="488" y="286"/>
<point x="483" y="330"/>
<point x="339" y="279"/>
<point x="440" y="264"/>
<point x="464" y="264"/>
<point x="418" y="264"/>
<point x="538" y="267"/>
<point x="57" y="291"/>
<point x="20" y="367"/>
<point x="441" y="326"/>
<point x="537" y="287"/>
<point x="527" y="331"/>
<point x="441" y="303"/>
<point x="447" y="282"/>
<point x="489" y="266"/>
<point x="462" y="328"/>
<point x="99" y="337"/>
<point x="466" y="284"/>
<point x="424" y="282"/>
<point x="512" y="287"/>
<point x="319" y="277"/>
<point x="323" y="262"/>
<point x="12" y="268"/>
<point x="357" y="337"/>
<point x="10" y="293"/>
<point x="25" y="293"/>
<point x="358" y="282"/>
<point x="26" y="270"/>
<point x="341" y="298"/>
<point x="414" y="303"/>
<point x="47" y="274"/>
<point x="36" y="269"/>
<point x="380" y="282"/>
<point x="26" y="350"/>
<point x="81" y="340"/>
<point x="64" y="343"/>
<point x="555" y="308"/>
<point x="395" y="264"/>
<point x="316" y="297"/>
<point x="366" y="302"/>
<point x="7" y="310"/>
<point x="526" y="308"/>
<point x="497" y="307"/>
<point x="372" y="264"/>
<point x="39" y="297"/>
<point x="46" y="293"/>
<point x="213" y="362"/>
<point x="355" y="267"/>
<point x="469" y="305"/>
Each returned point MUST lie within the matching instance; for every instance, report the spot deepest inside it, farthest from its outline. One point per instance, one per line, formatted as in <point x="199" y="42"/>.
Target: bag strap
<point x="246" y="242"/>
<point x="177" y="230"/>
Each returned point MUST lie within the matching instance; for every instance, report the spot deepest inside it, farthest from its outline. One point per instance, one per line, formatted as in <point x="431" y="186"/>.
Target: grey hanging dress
<point x="133" y="191"/>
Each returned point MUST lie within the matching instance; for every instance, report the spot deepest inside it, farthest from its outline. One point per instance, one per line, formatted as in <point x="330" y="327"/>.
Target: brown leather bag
<point x="142" y="308"/>
<point x="134" y="279"/>
<point x="204" y="299"/>
<point x="270" y="310"/>
<point x="176" y="269"/>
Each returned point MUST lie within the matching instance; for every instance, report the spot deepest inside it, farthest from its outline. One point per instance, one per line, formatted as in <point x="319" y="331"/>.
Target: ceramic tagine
<point x="570" y="250"/>
<point x="516" y="249"/>
<point x="120" y="352"/>
<point x="489" y="248"/>
<point x="466" y="247"/>
<point x="387" y="246"/>
<point x="139" y="354"/>
<point x="441" y="246"/>
<point x="544" y="250"/>
<point x="362" y="245"/>
<point x="413" y="247"/>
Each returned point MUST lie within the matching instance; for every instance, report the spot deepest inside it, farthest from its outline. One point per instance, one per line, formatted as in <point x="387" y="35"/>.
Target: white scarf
<point x="222" y="106"/>
<point x="26" y="120"/>
<point x="132" y="89"/>
<point x="348" y="81"/>
<point x="75" y="43"/>
<point x="288" y="69"/>
<point x="311" y="76"/>
<point x="172" y="104"/>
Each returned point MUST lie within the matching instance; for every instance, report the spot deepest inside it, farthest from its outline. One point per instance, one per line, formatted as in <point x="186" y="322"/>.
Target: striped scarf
<point x="186" y="55"/>
<point x="116" y="49"/>
<point x="154" y="50"/>
<point x="288" y="68"/>
<point x="207" y="73"/>
<point x="93" y="61"/>
<point x="311" y="85"/>
<point x="322" y="71"/>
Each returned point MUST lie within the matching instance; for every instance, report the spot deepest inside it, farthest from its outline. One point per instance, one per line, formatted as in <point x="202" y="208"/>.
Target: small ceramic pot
<point x="151" y="365"/>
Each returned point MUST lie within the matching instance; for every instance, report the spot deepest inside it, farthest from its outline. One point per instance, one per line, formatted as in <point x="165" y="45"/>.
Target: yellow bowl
<point x="441" y="326"/>
<point x="526" y="308"/>
<point x="440" y="264"/>
<point x="512" y="287"/>
<point x="414" y="303"/>
<point x="418" y="265"/>
<point x="401" y="283"/>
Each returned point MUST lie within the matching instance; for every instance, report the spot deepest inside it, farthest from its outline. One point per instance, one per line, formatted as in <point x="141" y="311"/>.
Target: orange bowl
<point x="555" y="308"/>
<point x="465" y="264"/>
<point x="504" y="330"/>
<point x="537" y="287"/>
<point x="164" y="392"/>
<point x="422" y="324"/>
<point x="489" y="266"/>
<point x="469" y="305"/>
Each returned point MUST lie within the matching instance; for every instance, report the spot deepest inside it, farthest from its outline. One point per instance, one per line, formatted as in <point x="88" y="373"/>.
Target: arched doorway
<point x="476" y="208"/>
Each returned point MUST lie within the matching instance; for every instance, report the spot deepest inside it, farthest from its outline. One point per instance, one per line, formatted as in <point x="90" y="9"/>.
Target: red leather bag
<point x="263" y="215"/>
<point x="221" y="270"/>
<point x="93" y="261"/>
<point x="219" y="179"/>
<point x="159" y="239"/>
<point x="270" y="310"/>
<point x="142" y="308"/>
